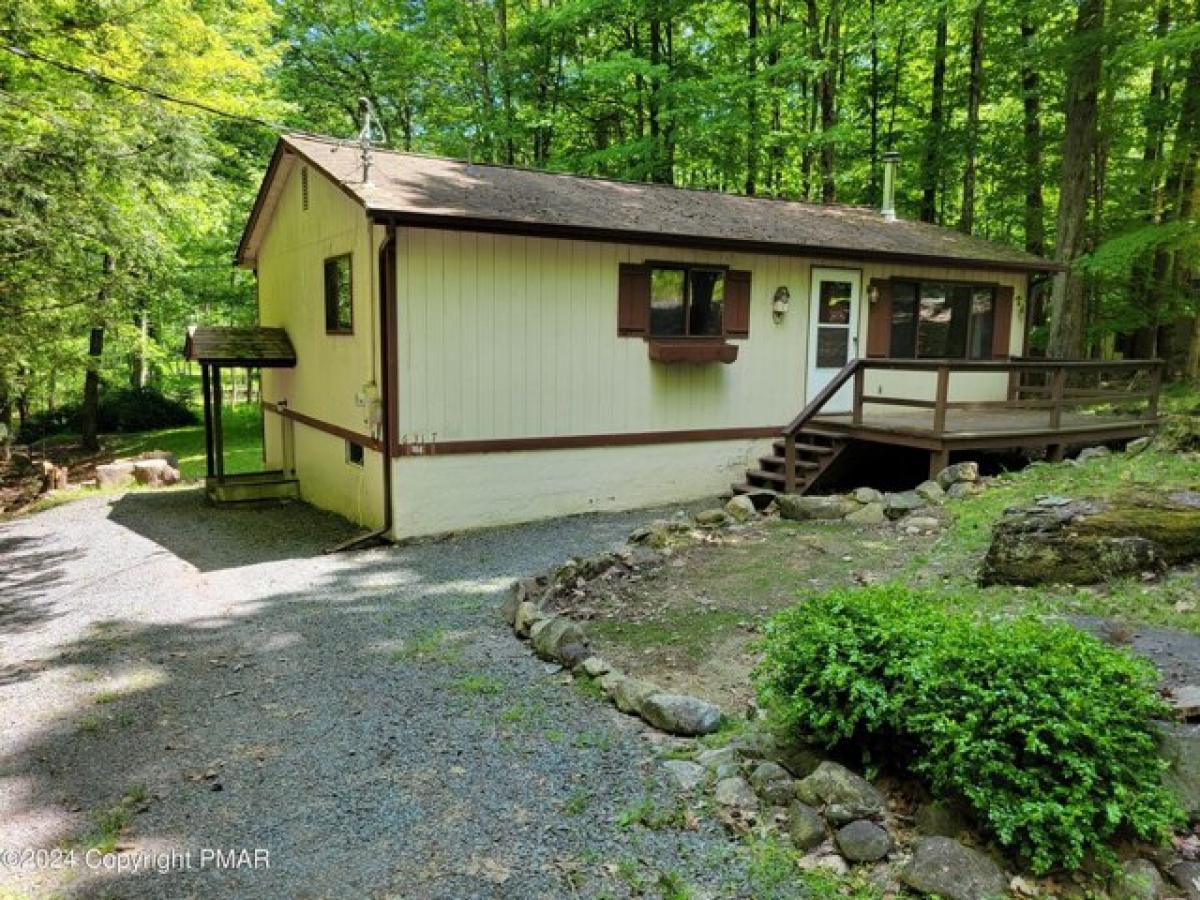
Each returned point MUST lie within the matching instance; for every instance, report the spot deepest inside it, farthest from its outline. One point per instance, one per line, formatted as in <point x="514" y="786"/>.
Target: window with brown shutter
<point x="737" y="304"/>
<point x="944" y="320"/>
<point x="1002" y="330"/>
<point x="633" y="303"/>
<point x="879" y="319"/>
<point x="683" y="301"/>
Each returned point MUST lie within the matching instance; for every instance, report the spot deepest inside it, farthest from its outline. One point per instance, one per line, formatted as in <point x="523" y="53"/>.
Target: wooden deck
<point x="1038" y="403"/>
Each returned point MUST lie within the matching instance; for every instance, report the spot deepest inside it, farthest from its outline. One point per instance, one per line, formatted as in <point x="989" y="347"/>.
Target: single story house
<point x="477" y="345"/>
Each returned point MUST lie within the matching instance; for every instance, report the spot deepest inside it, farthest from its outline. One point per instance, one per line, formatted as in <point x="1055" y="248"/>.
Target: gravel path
<point x="364" y="716"/>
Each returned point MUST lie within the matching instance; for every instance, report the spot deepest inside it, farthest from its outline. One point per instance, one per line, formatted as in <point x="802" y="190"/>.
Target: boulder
<point x="786" y="748"/>
<point x="1090" y="541"/>
<point x="523" y="590"/>
<point x="846" y="796"/>
<point x="803" y="508"/>
<point x="627" y="693"/>
<point x="711" y="518"/>
<point x="805" y="826"/>
<point x="948" y="869"/>
<point x="871" y="514"/>
<point x="962" y="489"/>
<point x="1092" y="453"/>
<point x="829" y="862"/>
<point x="958" y="473"/>
<point x="552" y="636"/>
<point x="572" y="654"/>
<point x="1186" y="876"/>
<point x="155" y="473"/>
<point x="741" y="509"/>
<point x="735" y="792"/>
<point x="114" y="475"/>
<point x="923" y="523"/>
<point x="1140" y="445"/>
<point x="680" y="714"/>
<point x="639" y="557"/>
<point x="1138" y="879"/>
<point x="716" y="758"/>
<point x="773" y="783"/>
<point x="863" y="841"/>
<point x="930" y="492"/>
<point x="526" y="616"/>
<point x="166" y="455"/>
<point x="1179" y="745"/>
<point x="867" y="495"/>
<point x="594" y="667"/>
<point x="899" y="505"/>
<point x="940" y="818"/>
<point x="686" y="774"/>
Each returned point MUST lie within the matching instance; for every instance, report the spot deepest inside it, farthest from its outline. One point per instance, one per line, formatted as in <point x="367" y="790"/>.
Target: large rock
<point x="686" y="774"/>
<point x="1092" y="453"/>
<point x="1138" y="879"/>
<point x="166" y="455"/>
<point x="114" y="475"/>
<point x="958" y="473"/>
<point x="741" y="509"/>
<point x="627" y="693"/>
<point x="526" y="616"/>
<point x="717" y="757"/>
<point x="899" y="505"/>
<point x="867" y="495"/>
<point x="805" y="826"/>
<point x="863" y="841"/>
<point x="524" y="590"/>
<point x="930" y="492"/>
<point x="786" y="748"/>
<point x="711" y="518"/>
<point x="551" y="637"/>
<point x="1179" y="745"/>
<point x="735" y="792"/>
<point x="155" y="473"/>
<point x="1090" y="541"/>
<point x="871" y="514"/>
<point x="940" y="818"/>
<point x="963" y="489"/>
<point x="680" y="714"/>
<point x="803" y="508"/>
<point x="1186" y="876"/>
<point x="946" y="868"/>
<point x="845" y="796"/>
<point x="773" y="783"/>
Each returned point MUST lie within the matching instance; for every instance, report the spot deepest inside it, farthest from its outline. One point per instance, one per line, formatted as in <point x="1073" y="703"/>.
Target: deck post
<point x="218" y="433"/>
<point x="938" y="460"/>
<point x="206" y="390"/>
<point x="1156" y="379"/>
<point x="1058" y="387"/>
<point x="1014" y="385"/>
<point x="857" y="410"/>
<point x="939" y="409"/>
<point x="789" y="463"/>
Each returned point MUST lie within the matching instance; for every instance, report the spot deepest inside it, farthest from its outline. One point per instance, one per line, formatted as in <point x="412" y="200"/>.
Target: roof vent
<point x="891" y="159"/>
<point x="304" y="188"/>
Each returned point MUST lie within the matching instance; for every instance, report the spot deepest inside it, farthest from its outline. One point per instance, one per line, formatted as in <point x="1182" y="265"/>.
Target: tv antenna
<point x="372" y="131"/>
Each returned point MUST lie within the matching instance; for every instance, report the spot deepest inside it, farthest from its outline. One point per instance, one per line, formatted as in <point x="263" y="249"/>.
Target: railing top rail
<point x="1008" y="365"/>
<point x="814" y="406"/>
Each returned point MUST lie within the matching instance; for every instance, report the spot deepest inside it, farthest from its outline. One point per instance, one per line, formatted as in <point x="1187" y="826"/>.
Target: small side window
<point x="354" y="453"/>
<point x="339" y="306"/>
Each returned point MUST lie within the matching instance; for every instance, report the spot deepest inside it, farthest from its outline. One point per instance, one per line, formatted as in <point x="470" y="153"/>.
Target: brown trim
<point x="239" y="257"/>
<point x="694" y="350"/>
<point x="660" y="239"/>
<point x="328" y="427"/>
<point x="581" y="441"/>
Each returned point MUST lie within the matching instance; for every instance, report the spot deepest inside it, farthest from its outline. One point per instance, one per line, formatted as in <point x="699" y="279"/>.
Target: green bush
<point x="1041" y="730"/>
<point x="121" y="410"/>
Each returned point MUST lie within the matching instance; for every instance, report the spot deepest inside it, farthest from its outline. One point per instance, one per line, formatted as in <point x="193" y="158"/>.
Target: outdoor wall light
<point x="873" y="294"/>
<point x="779" y="304"/>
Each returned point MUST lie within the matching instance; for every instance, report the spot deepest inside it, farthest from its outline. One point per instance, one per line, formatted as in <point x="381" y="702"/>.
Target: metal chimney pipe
<point x="891" y="159"/>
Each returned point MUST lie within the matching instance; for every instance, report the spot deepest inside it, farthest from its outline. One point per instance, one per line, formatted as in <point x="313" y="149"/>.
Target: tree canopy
<point x="133" y="135"/>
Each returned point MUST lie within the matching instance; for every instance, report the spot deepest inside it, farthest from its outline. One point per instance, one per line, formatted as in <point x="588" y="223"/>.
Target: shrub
<point x="1041" y="730"/>
<point x="121" y="410"/>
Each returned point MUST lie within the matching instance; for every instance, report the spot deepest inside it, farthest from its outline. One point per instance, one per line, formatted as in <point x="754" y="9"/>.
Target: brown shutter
<point x="633" y="300"/>
<point x="737" y="304"/>
<point x="879" y="318"/>
<point x="1002" y="314"/>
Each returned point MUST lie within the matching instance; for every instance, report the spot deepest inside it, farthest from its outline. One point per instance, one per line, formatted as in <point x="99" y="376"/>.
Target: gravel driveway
<point x="363" y="716"/>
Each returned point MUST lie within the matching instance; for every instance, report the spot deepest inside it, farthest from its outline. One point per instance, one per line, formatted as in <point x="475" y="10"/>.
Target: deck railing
<point x="1054" y="385"/>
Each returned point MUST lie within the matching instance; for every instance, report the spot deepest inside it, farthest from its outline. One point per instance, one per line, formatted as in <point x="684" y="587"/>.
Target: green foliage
<point x="1041" y="730"/>
<point x="122" y="410"/>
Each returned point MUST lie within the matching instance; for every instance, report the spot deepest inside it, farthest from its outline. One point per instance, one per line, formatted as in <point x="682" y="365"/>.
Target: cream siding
<point x="331" y="369"/>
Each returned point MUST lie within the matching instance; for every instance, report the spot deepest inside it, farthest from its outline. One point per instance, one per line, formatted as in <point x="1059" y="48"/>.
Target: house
<point x="477" y="345"/>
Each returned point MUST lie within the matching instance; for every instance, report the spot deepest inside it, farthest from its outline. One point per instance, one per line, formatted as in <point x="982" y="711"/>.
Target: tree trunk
<point x="752" y="98"/>
<point x="1067" y="302"/>
<point x="1035" y="205"/>
<point x="931" y="165"/>
<point x="90" y="412"/>
<point x="966" y="223"/>
<point x="828" y="87"/>
<point x="873" y="87"/>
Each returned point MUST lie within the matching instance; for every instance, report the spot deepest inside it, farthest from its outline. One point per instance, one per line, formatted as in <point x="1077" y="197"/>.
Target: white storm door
<point x="832" y="332"/>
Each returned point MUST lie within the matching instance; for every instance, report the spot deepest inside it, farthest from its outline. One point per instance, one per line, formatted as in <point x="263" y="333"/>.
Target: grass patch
<point x="577" y="803"/>
<point x="91" y="724"/>
<point x="479" y="685"/>
<point x="590" y="687"/>
<point x="108" y="823"/>
<point x="690" y="633"/>
<point x="105" y="697"/>
<point x="434" y="645"/>
<point x="649" y="813"/>
<point x="243" y="442"/>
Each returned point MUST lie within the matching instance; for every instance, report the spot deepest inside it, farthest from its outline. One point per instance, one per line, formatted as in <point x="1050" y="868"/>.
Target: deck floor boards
<point x="919" y="422"/>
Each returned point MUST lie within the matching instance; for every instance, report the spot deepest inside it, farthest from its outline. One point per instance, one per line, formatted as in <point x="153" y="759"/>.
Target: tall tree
<point x="966" y="222"/>
<point x="931" y="170"/>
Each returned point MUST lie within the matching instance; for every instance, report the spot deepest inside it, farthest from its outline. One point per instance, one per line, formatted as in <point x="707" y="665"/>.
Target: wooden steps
<point x="815" y="452"/>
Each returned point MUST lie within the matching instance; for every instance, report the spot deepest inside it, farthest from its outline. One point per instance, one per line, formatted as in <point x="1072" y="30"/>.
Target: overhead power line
<point x="101" y="78"/>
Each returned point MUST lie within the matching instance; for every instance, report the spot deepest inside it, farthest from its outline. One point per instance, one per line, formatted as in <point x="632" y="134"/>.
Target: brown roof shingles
<point x="223" y="345"/>
<point x="414" y="189"/>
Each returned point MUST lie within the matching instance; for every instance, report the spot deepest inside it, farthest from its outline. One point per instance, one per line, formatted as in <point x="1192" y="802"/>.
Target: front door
<point x="832" y="332"/>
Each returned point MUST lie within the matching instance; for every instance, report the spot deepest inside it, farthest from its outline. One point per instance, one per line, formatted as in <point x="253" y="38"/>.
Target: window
<point x="937" y="320"/>
<point x="339" y="308"/>
<point x="687" y="302"/>
<point x="354" y="453"/>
